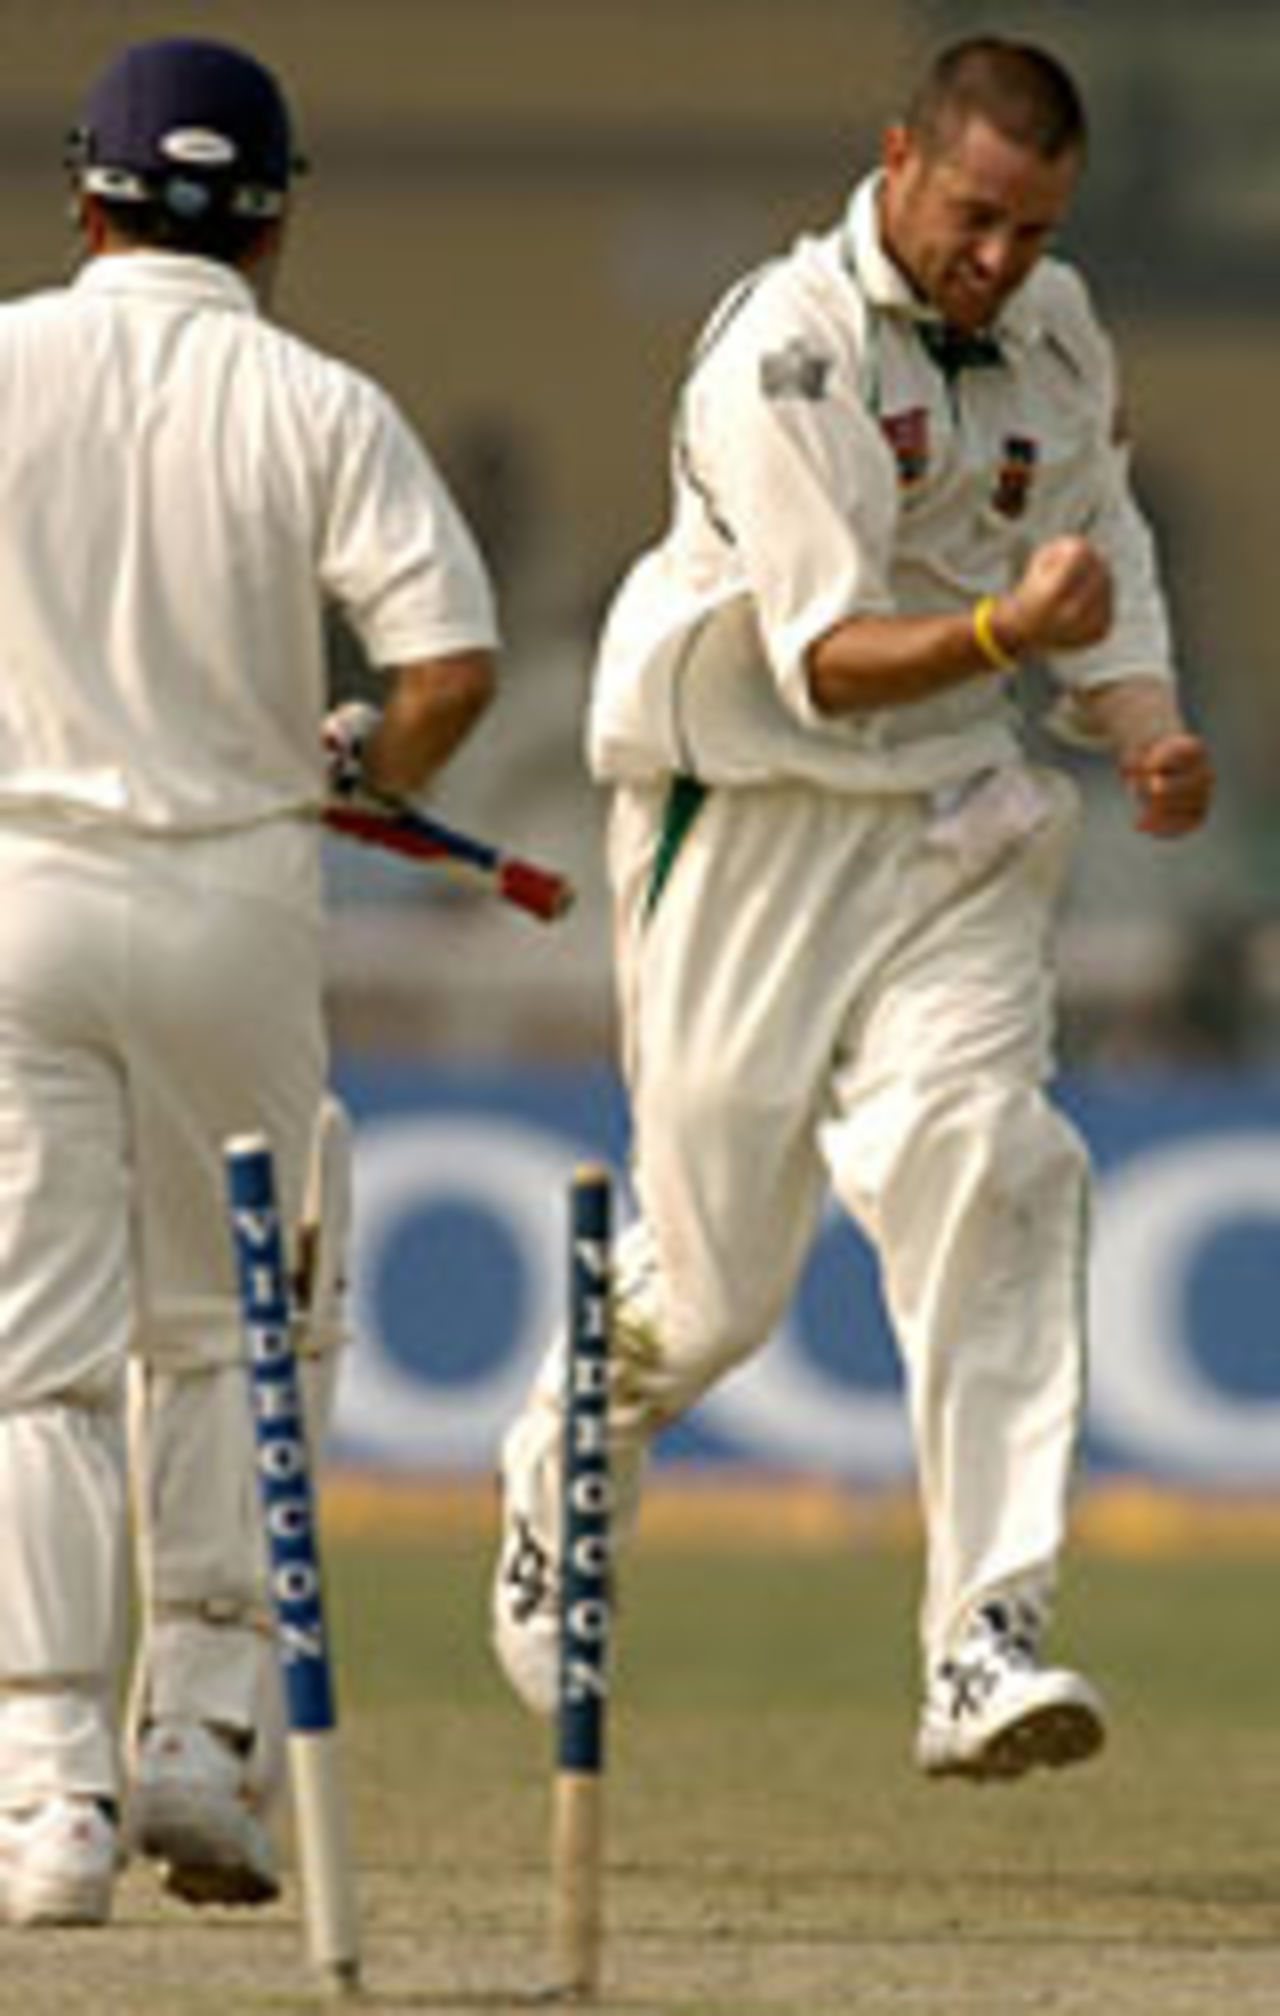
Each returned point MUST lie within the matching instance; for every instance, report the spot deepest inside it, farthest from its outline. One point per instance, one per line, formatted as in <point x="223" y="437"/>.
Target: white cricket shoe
<point x="526" y="1622"/>
<point x="189" y="1808"/>
<point x="57" y="1864"/>
<point x="993" y="1712"/>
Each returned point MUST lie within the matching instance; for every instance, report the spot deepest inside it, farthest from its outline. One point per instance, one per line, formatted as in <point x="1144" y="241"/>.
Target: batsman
<point x="899" y="479"/>
<point x="184" y="487"/>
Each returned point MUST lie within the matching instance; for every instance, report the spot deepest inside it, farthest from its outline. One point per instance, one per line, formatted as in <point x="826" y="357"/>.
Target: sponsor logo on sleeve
<point x="794" y="372"/>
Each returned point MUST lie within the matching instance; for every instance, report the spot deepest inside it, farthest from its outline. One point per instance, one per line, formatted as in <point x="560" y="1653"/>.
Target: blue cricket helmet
<point x="196" y="125"/>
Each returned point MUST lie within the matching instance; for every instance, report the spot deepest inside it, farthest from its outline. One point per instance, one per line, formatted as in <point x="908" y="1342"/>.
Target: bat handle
<point x="538" y="890"/>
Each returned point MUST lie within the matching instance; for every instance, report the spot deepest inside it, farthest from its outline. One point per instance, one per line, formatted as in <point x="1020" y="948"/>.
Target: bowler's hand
<point x="1171" y="780"/>
<point x="1063" y="602"/>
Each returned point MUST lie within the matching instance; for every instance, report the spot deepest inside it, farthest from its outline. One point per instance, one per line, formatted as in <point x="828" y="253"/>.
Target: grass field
<point x="769" y="1845"/>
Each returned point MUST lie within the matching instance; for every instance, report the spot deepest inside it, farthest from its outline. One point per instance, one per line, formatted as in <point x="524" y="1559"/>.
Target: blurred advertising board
<point x="459" y="1277"/>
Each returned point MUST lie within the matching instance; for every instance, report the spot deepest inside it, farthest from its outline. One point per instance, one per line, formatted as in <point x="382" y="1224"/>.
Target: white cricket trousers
<point x="856" y="993"/>
<point x="157" y="994"/>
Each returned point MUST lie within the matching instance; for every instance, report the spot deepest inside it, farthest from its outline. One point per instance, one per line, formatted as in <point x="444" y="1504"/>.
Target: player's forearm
<point x="1166" y="766"/>
<point x="432" y="708"/>
<point x="1062" y="601"/>
<point x="1129" y="715"/>
<point x="873" y="662"/>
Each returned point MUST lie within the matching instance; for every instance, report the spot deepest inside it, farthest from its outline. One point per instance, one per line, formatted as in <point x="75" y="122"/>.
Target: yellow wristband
<point x="985" y="638"/>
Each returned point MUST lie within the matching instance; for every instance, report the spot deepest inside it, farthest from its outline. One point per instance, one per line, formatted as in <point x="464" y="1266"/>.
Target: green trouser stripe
<point x="684" y="802"/>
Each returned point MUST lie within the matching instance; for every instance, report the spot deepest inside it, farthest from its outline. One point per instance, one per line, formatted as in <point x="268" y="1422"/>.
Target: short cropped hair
<point x="1015" y="87"/>
<point x="216" y="235"/>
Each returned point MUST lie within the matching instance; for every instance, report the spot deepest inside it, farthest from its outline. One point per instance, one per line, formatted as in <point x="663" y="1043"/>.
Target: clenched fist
<point x="1172" y="785"/>
<point x="1063" y="601"/>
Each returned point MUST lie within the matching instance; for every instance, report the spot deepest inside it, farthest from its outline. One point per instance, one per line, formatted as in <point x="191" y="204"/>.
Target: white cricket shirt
<point x="182" y="486"/>
<point x="825" y="468"/>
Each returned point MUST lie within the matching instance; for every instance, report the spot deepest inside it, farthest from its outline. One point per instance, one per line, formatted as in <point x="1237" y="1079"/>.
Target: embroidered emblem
<point x="1013" y="478"/>
<point x="795" y="372"/>
<point x="908" y="436"/>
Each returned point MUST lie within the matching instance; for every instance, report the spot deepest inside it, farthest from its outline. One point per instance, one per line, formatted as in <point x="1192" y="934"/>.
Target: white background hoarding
<point x="459" y="1273"/>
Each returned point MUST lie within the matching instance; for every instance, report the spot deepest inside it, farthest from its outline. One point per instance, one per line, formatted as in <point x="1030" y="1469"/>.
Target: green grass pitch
<point x="769" y="1844"/>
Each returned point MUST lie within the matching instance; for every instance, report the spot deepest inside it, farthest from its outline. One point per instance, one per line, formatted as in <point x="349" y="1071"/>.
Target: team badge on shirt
<point x="794" y="372"/>
<point x="908" y="436"/>
<point x="1013" y="478"/>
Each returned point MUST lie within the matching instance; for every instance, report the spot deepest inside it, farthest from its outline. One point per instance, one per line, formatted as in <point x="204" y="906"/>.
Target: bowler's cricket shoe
<point x="992" y="1712"/>
<point x="57" y="1864"/>
<point x="526" y="1629"/>
<point x="189" y="1809"/>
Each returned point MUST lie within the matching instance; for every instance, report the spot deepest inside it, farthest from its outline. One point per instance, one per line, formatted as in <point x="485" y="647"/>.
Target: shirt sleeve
<point x="1139" y="641"/>
<point x="792" y="467"/>
<point x="397" y="556"/>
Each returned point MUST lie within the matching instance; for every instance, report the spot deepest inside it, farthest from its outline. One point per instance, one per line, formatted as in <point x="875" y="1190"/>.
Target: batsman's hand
<point x="1063" y="602"/>
<point x="345" y="735"/>
<point x="1171" y="780"/>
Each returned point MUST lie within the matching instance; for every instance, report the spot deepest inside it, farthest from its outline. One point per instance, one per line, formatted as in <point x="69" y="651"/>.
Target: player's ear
<point x="89" y="219"/>
<point x="894" y="148"/>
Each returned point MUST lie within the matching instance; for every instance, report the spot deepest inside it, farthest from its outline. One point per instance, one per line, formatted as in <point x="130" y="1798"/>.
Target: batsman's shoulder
<point x="36" y="310"/>
<point x="329" y="387"/>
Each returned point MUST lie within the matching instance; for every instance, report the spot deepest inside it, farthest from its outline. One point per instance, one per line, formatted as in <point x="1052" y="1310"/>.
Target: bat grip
<point x="537" y="890"/>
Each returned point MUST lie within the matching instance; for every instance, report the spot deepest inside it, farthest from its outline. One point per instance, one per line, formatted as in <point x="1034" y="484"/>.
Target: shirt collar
<point x="886" y="286"/>
<point x="167" y="276"/>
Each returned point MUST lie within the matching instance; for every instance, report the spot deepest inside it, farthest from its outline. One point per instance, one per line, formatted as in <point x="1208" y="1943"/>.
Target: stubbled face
<point x="967" y="223"/>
